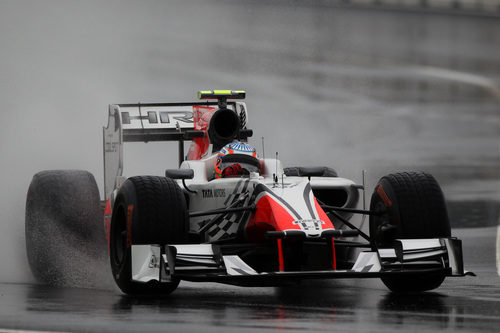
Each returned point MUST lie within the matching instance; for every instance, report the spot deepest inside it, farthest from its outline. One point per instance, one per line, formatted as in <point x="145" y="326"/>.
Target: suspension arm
<point x="349" y="224"/>
<point x="352" y="210"/>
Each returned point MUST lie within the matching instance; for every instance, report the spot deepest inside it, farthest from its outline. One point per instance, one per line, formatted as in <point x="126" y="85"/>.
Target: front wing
<point x="206" y="262"/>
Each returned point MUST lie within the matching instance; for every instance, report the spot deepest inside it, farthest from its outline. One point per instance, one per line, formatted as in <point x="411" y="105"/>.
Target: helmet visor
<point x="247" y="162"/>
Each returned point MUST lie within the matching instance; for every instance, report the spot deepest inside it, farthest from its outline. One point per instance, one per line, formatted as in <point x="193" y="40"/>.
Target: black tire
<point x="414" y="207"/>
<point x="158" y="216"/>
<point x="65" y="239"/>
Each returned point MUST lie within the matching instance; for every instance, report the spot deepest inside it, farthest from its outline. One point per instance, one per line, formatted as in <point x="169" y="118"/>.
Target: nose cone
<point x="284" y="208"/>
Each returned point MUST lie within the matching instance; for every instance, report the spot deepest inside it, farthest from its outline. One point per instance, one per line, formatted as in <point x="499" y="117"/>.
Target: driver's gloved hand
<point x="233" y="170"/>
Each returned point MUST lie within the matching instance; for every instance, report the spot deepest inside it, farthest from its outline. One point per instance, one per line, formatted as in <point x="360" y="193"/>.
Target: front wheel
<point x="147" y="210"/>
<point x="414" y="207"/>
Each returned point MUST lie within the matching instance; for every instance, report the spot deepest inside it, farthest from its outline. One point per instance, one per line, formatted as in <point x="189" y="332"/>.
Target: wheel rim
<point x="119" y="235"/>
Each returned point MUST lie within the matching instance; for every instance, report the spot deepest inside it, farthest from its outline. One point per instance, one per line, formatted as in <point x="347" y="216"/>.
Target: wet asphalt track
<point x="350" y="88"/>
<point x="461" y="305"/>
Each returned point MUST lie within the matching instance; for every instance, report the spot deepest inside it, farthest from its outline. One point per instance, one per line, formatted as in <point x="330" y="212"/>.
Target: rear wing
<point x="151" y="122"/>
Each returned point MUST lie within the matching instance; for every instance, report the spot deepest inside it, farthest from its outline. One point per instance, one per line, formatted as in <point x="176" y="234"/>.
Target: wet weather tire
<point x="414" y="207"/>
<point x="147" y="210"/>
<point x="65" y="240"/>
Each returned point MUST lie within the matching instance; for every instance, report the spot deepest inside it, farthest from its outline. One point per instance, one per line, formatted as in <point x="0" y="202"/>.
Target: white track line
<point x="498" y="250"/>
<point x="457" y="76"/>
<point x="6" y="330"/>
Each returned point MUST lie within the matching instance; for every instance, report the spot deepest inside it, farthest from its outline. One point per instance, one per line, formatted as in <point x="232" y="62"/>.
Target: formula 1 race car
<point x="226" y="215"/>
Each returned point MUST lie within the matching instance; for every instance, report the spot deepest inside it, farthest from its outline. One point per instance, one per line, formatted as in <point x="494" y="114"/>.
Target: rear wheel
<point x="65" y="240"/>
<point x="414" y="207"/>
<point x="147" y="210"/>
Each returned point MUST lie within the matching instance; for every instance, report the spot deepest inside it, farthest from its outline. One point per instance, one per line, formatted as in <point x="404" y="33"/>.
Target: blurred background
<point x="382" y="86"/>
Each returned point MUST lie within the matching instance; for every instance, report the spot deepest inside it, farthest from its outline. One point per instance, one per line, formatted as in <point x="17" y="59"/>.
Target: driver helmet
<point x="236" y="159"/>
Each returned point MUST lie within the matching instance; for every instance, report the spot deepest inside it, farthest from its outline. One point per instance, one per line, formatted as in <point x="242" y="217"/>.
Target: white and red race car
<point x="258" y="225"/>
